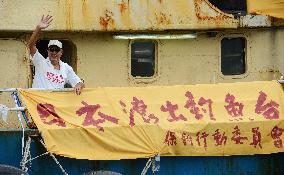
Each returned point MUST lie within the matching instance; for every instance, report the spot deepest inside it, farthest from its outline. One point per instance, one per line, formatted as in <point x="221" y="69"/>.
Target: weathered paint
<point x="255" y="21"/>
<point x="179" y="61"/>
<point x="114" y="15"/>
<point x="14" y="72"/>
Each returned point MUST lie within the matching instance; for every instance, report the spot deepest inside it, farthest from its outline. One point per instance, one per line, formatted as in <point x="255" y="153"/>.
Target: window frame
<point x="247" y="56"/>
<point x="140" y="79"/>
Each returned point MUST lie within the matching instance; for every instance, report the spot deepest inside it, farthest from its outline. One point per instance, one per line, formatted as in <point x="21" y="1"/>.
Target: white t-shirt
<point x="49" y="78"/>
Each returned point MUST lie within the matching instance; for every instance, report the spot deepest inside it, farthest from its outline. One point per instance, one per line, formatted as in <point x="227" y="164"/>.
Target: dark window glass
<point x="233" y="56"/>
<point x="235" y="7"/>
<point x="142" y="59"/>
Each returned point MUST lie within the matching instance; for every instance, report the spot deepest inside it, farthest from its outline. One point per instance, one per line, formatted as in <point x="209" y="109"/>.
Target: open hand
<point x="45" y="21"/>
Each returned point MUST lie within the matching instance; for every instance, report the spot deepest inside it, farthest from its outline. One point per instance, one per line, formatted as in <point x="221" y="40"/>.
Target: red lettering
<point x="170" y="138"/>
<point x="90" y="111"/>
<point x="201" y="136"/>
<point x="220" y="139"/>
<point x="171" y="109"/>
<point x="268" y="110"/>
<point x="235" y="109"/>
<point x="276" y="134"/>
<point x="186" y="139"/>
<point x="139" y="107"/>
<point x="237" y="138"/>
<point x="46" y="110"/>
<point x="256" y="138"/>
<point x="192" y="106"/>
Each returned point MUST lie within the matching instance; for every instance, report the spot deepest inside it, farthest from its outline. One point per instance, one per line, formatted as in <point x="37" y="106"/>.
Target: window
<point x="235" y="7"/>
<point x="143" y="59"/>
<point x="233" y="56"/>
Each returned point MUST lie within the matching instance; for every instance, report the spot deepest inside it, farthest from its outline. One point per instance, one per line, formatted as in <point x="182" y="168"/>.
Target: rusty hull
<point x="114" y="15"/>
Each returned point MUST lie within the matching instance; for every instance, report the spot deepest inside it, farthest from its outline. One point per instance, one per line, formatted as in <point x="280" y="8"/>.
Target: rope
<point x="25" y="149"/>
<point x="27" y="154"/>
<point x="4" y="112"/>
<point x="156" y="163"/>
<point x="38" y="156"/>
<point x="147" y="166"/>
<point x="54" y="158"/>
<point x="21" y="123"/>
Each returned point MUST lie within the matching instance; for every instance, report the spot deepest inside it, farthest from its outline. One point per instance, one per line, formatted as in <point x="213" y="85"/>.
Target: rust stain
<point x="69" y="14"/>
<point x="162" y="19"/>
<point x="219" y="18"/>
<point x="107" y="20"/>
<point x="122" y="6"/>
<point x="86" y="12"/>
<point x="124" y="11"/>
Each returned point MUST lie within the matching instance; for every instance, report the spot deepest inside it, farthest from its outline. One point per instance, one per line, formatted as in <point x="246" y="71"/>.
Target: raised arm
<point x="44" y="23"/>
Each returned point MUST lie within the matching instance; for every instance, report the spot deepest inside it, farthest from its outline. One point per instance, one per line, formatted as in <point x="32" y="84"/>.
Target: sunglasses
<point x="54" y="49"/>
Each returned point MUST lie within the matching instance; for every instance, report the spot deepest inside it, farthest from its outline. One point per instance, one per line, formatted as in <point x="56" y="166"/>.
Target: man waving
<point x="51" y="72"/>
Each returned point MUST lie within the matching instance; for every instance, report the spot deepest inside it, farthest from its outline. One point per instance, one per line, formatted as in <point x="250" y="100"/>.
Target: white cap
<point x="55" y="43"/>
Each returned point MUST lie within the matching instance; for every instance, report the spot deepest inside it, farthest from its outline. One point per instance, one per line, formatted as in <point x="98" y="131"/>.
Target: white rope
<point x="54" y="158"/>
<point x="37" y="156"/>
<point x="156" y="163"/>
<point x="26" y="156"/>
<point x="23" y="131"/>
<point x="147" y="166"/>
<point x="21" y="123"/>
<point x="4" y="112"/>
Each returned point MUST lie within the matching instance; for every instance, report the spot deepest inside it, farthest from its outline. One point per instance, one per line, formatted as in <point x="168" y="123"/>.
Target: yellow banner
<point x="274" y="8"/>
<point x="186" y="120"/>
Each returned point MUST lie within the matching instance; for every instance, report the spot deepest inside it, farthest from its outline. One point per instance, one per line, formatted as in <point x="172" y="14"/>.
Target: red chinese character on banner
<point x="219" y="138"/>
<point x="235" y="109"/>
<point x="237" y="138"/>
<point x="140" y="108"/>
<point x="256" y="138"/>
<point x="90" y="110"/>
<point x="276" y="134"/>
<point x="46" y="110"/>
<point x="201" y="136"/>
<point x="170" y="138"/>
<point x="186" y="139"/>
<point x="192" y="106"/>
<point x="171" y="109"/>
<point x="268" y="110"/>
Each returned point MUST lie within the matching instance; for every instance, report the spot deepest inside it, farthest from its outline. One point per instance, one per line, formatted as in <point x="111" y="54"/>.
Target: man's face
<point x="54" y="53"/>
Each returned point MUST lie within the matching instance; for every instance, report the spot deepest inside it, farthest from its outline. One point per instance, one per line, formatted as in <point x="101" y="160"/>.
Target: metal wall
<point x="114" y="15"/>
<point x="103" y="61"/>
<point x="14" y="72"/>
